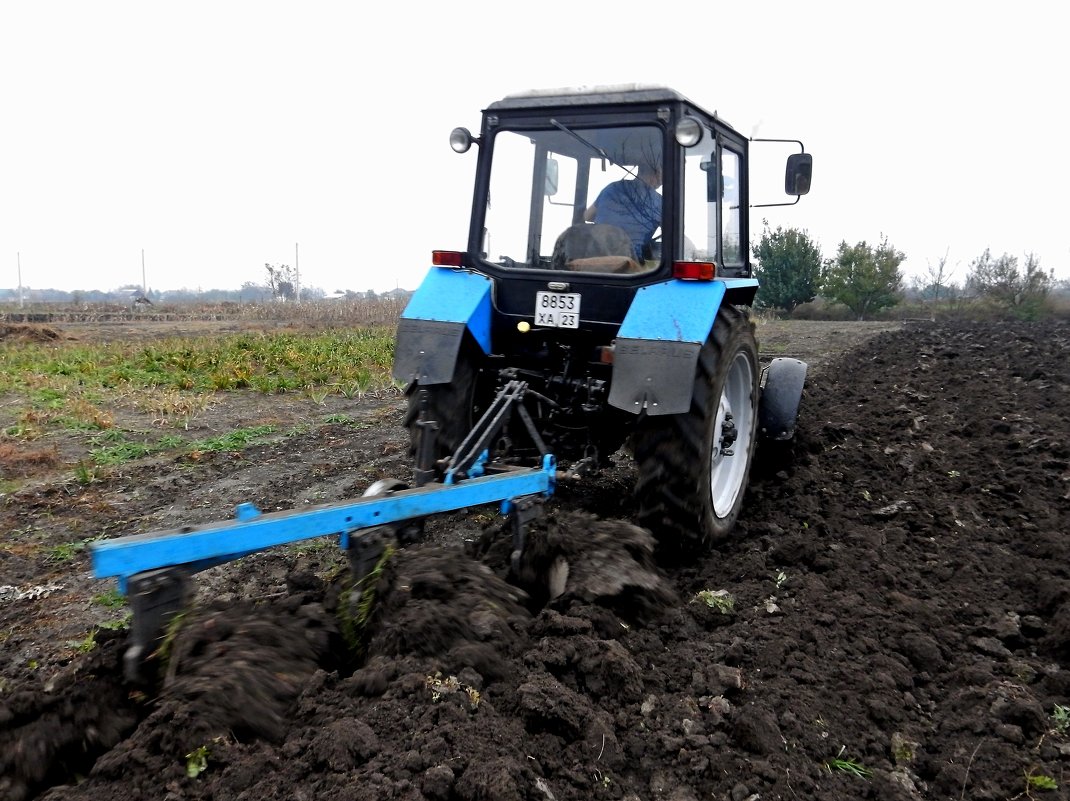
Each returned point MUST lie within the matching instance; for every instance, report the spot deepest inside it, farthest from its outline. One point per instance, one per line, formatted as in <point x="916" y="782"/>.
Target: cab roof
<point x="600" y="95"/>
<point x="589" y="95"/>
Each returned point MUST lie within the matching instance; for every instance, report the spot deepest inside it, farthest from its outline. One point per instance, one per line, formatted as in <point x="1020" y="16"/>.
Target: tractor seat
<point x="597" y="248"/>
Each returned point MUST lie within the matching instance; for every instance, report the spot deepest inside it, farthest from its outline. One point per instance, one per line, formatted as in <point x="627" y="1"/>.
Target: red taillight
<point x="446" y="258"/>
<point x="694" y="270"/>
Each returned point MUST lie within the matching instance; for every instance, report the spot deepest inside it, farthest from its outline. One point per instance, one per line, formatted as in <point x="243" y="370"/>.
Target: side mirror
<point x="797" y="175"/>
<point x="550" y="187"/>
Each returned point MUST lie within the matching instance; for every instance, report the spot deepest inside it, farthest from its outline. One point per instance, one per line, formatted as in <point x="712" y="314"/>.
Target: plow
<point x="584" y="316"/>
<point x="154" y="570"/>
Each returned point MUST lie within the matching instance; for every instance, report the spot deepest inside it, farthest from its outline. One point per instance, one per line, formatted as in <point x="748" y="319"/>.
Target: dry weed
<point x="20" y="461"/>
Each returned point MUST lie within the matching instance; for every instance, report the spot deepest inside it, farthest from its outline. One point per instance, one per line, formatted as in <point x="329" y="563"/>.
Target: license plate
<point x="557" y="309"/>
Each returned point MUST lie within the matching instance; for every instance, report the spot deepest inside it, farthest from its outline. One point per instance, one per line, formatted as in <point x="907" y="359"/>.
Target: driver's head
<point x="650" y="173"/>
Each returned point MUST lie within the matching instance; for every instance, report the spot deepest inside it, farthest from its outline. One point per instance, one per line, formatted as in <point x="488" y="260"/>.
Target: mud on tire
<point x="689" y="490"/>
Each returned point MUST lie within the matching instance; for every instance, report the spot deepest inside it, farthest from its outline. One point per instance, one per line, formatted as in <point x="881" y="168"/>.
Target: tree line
<point x="867" y="278"/>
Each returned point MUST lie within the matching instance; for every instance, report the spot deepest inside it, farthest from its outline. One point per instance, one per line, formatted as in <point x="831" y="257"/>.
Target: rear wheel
<point x="693" y="467"/>
<point x="455" y="406"/>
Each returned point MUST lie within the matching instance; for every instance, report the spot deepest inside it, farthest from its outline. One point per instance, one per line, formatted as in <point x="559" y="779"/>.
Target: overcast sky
<point x="218" y="136"/>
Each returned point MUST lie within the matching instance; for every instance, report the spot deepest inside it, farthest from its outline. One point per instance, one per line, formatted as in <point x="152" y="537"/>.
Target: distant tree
<point x="863" y="278"/>
<point x="1001" y="280"/>
<point x="789" y="268"/>
<point x="282" y="281"/>
<point x="935" y="284"/>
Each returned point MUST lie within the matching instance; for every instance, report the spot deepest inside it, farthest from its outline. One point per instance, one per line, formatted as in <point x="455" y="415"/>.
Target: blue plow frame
<point x="198" y="547"/>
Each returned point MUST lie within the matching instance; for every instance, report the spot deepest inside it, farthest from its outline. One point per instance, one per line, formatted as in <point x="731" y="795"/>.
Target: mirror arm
<point x="767" y="205"/>
<point x="802" y="149"/>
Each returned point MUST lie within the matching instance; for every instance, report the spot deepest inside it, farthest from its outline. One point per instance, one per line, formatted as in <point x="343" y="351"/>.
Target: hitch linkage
<point x="474" y="451"/>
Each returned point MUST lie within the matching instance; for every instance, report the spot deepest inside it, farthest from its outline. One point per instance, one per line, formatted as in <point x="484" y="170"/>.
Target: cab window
<point x="576" y="199"/>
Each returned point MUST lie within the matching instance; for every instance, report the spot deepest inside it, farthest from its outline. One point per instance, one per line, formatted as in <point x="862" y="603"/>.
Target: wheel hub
<point x="729" y="433"/>
<point x="732" y="430"/>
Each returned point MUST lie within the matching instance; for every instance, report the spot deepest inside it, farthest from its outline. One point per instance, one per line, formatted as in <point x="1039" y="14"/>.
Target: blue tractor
<point x="601" y="303"/>
<point x="607" y="269"/>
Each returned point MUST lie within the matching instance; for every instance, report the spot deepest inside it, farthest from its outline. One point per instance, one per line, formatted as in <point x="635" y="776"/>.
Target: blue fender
<point x="447" y="303"/>
<point x="658" y="344"/>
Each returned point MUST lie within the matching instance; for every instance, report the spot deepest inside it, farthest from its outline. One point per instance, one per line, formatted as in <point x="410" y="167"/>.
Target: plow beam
<point x="198" y="547"/>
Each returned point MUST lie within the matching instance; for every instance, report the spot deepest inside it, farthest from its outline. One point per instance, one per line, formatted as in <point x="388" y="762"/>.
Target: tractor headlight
<point x="460" y="139"/>
<point x="688" y="131"/>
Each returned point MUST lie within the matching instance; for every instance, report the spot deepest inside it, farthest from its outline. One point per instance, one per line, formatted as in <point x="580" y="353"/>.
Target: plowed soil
<point x="892" y="620"/>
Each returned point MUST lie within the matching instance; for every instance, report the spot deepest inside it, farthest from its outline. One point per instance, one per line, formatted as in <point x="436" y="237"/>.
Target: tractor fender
<point x="782" y="389"/>
<point x="446" y="304"/>
<point x="658" y="344"/>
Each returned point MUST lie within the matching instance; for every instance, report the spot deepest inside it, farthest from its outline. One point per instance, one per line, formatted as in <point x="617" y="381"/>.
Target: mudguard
<point x="658" y="344"/>
<point x="447" y="303"/>
<point x="782" y="388"/>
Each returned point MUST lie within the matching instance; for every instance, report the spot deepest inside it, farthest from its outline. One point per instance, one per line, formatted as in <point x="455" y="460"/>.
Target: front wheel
<point x="693" y="467"/>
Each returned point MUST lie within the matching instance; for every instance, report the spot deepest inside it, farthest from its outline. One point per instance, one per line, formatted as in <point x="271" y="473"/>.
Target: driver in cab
<point x="632" y="204"/>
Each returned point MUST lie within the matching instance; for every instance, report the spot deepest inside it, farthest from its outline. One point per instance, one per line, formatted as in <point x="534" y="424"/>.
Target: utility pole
<point x="297" y="274"/>
<point x="144" y="286"/>
<point x="18" y="261"/>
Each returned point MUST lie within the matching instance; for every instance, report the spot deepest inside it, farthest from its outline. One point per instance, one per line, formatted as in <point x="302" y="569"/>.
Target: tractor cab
<point x="611" y="188"/>
<point x="623" y="186"/>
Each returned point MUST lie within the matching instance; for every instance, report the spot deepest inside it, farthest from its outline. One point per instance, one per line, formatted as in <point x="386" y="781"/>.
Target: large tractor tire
<point x="693" y="467"/>
<point x="455" y="406"/>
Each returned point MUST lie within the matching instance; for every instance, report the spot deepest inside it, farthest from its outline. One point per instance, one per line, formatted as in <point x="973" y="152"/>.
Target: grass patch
<point x="166" y="405"/>
<point x="232" y="440"/>
<point x="316" y="545"/>
<point x="117" y="453"/>
<point x="85" y="645"/>
<point x="70" y="386"/>
<point x="86" y="473"/>
<point x="720" y="600"/>
<point x="112" y="599"/>
<point x="197" y="761"/>
<point x="113" y="448"/>
<point x="122" y="624"/>
<point x="344" y="361"/>
<point x="842" y="764"/>
<point x="1036" y="781"/>
<point x="1061" y="720"/>
<point x="66" y="551"/>
<point x="48" y="397"/>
